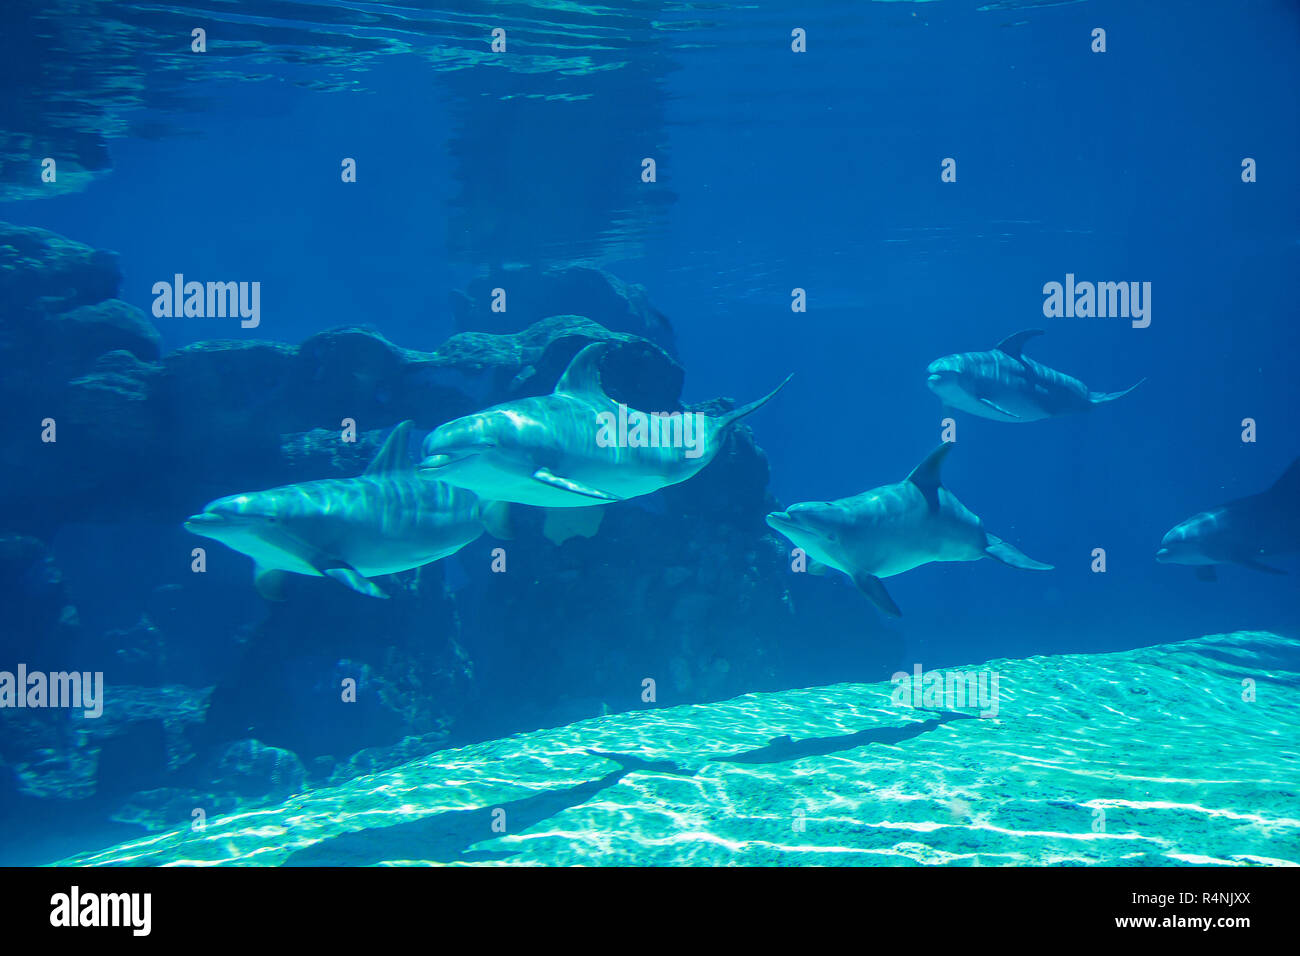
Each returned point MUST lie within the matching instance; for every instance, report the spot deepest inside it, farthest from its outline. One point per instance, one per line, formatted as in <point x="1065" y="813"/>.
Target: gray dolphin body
<point x="894" y="528"/>
<point x="1007" y="386"/>
<point x="565" y="449"/>
<point x="1239" y="532"/>
<point x="389" y="519"/>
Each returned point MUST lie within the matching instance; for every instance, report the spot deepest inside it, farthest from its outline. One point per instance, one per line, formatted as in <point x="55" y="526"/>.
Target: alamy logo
<point x="59" y="689"/>
<point x="1103" y="300"/>
<point x="946" y="690"/>
<point x="635" y="429"/>
<point x="208" y="300"/>
<point x="102" y="909"/>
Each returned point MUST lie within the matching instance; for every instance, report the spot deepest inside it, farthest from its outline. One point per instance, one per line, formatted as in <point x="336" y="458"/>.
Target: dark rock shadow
<point x="446" y="837"/>
<point x="781" y="749"/>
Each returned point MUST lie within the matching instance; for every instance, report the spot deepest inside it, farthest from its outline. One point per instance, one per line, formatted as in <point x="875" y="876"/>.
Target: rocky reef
<point x="216" y="697"/>
<point x="535" y="293"/>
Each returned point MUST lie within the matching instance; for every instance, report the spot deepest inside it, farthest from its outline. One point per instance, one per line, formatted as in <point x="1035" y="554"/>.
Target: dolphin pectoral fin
<point x="344" y="573"/>
<point x="352" y="578"/>
<point x="870" y="585"/>
<point x="1259" y="566"/>
<point x="546" y="477"/>
<point x="269" y="582"/>
<point x="999" y="550"/>
<point x="1206" y="572"/>
<point x="999" y="409"/>
<point x="817" y="568"/>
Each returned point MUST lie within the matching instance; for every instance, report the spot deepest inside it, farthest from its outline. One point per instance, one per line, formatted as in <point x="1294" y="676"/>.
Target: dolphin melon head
<point x="818" y="524"/>
<point x="244" y="516"/>
<point x="1183" y="544"/>
<point x="463" y="446"/>
<point x="944" y="376"/>
<point x="271" y="527"/>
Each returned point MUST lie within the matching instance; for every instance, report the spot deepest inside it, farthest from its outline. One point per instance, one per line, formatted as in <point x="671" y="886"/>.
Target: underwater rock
<point x="176" y="707"/>
<point x="376" y="759"/>
<point x="319" y="452"/>
<point x="530" y="362"/>
<point x="252" y="770"/>
<point x="408" y="674"/>
<point x="140" y="652"/>
<point x="57" y="302"/>
<point x="669" y="586"/>
<point x="733" y="488"/>
<point x="357" y="373"/>
<point x="168" y="807"/>
<point x="117" y="388"/>
<point x="103" y="327"/>
<point x="42" y="272"/>
<point x="139" y="738"/>
<point x="40" y="619"/>
<point x="533" y="294"/>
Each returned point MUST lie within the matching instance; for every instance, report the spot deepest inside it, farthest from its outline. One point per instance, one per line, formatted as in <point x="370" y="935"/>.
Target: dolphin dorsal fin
<point x="582" y="377"/>
<point x="926" y="475"/>
<point x="1012" y="344"/>
<point x="392" y="454"/>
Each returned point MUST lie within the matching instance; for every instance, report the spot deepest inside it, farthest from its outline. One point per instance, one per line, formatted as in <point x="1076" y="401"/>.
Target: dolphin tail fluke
<point x="871" y="586"/>
<point x="727" y="419"/>
<point x="496" y="519"/>
<point x="1101" y="398"/>
<point x="999" y="550"/>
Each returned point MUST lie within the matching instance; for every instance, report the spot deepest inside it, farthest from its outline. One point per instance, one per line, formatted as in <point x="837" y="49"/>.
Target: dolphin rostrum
<point x="1007" y="386"/>
<point x="389" y="519"/>
<point x="892" y="529"/>
<point x="576" y="446"/>
<point x="1240" y="532"/>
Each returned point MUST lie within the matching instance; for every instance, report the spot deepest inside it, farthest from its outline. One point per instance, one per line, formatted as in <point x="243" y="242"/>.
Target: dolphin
<point x="1240" y="532"/>
<point x="567" y="449"/>
<point x="892" y="529"/>
<point x="1007" y="386"/>
<point x="389" y="519"/>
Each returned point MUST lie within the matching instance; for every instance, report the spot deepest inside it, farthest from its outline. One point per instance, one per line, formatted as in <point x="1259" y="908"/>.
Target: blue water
<point x="776" y="170"/>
